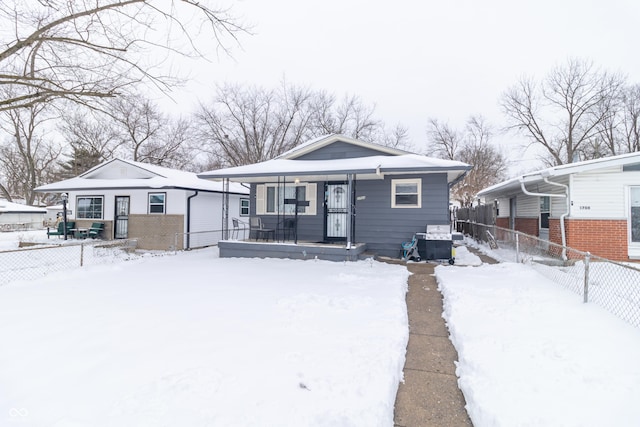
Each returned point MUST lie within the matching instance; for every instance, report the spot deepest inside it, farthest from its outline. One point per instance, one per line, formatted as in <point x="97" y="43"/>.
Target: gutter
<point x="188" y="240"/>
<point x="563" y="233"/>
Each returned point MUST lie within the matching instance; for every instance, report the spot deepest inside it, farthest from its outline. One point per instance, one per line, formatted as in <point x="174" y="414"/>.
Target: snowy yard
<point x="194" y="340"/>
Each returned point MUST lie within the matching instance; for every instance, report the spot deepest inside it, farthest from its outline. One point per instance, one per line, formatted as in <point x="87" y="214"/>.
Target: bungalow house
<point x="14" y="216"/>
<point x="342" y="192"/>
<point x="150" y="203"/>
<point x="590" y="206"/>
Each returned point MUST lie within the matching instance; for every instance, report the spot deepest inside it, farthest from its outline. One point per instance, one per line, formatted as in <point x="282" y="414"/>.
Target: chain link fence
<point x="38" y="261"/>
<point x="46" y="257"/>
<point x="613" y="285"/>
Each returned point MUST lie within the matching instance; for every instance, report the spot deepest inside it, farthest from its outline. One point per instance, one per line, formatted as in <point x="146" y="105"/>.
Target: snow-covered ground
<point x="532" y="354"/>
<point x="194" y="340"/>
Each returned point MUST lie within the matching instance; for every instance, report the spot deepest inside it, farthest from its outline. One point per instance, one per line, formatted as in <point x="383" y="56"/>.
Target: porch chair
<point x="237" y="226"/>
<point x="256" y="226"/>
<point x="96" y="229"/>
<point x="60" y="230"/>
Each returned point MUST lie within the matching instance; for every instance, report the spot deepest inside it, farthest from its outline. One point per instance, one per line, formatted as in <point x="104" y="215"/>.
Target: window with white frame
<point x="157" y="203"/>
<point x="273" y="199"/>
<point x="406" y="193"/>
<point x="634" y="219"/>
<point x="244" y="207"/>
<point x="89" y="207"/>
<point x="545" y="211"/>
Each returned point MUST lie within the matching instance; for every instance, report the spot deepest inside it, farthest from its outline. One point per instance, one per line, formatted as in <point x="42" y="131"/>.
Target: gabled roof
<point x="127" y="174"/>
<point x="10" y="207"/>
<point x="325" y="140"/>
<point x="513" y="184"/>
<point x="390" y="162"/>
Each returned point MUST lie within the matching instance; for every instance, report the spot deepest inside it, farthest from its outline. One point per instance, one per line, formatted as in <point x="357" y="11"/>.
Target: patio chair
<point x="96" y="229"/>
<point x="237" y="226"/>
<point x="60" y="230"/>
<point x="256" y="226"/>
<point x="57" y="231"/>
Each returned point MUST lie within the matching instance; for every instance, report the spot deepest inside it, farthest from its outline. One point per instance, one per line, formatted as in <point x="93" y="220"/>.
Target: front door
<point x="121" y="229"/>
<point x="336" y="211"/>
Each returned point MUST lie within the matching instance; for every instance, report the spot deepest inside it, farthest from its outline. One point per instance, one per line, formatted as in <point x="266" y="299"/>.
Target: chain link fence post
<point x="517" y="249"/>
<point x="81" y="254"/>
<point x="587" y="257"/>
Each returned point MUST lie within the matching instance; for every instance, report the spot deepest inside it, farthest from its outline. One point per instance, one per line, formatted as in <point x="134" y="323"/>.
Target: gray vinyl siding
<point x="340" y="150"/>
<point x="384" y="228"/>
<point x="380" y="226"/>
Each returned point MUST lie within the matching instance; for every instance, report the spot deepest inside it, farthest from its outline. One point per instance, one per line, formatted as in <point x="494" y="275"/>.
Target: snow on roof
<point x="10" y="207"/>
<point x="159" y="178"/>
<point x="364" y="167"/>
<point x="563" y="170"/>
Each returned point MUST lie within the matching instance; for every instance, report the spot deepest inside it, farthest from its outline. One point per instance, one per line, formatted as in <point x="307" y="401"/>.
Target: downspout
<point x="188" y="242"/>
<point x="563" y="234"/>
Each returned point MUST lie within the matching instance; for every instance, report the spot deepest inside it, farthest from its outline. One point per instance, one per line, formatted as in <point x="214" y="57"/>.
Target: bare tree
<point x="174" y="147"/>
<point x="26" y="156"/>
<point x="249" y="125"/>
<point x="472" y="146"/>
<point x="566" y="111"/>
<point x="631" y="119"/>
<point x="444" y="141"/>
<point x="85" y="50"/>
<point x="139" y="123"/>
<point x="91" y="132"/>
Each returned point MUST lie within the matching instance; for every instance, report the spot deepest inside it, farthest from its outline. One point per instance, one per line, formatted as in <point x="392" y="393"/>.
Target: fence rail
<point x="613" y="285"/>
<point x="51" y="256"/>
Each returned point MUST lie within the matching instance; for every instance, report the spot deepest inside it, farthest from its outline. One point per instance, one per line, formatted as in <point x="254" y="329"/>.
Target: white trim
<point x="163" y="204"/>
<point x="395" y="182"/>
<point x="89" y="197"/>
<point x="261" y="198"/>
<point x="633" y="248"/>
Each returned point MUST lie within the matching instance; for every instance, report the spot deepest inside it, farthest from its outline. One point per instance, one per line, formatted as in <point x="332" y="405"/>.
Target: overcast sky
<point x="419" y="59"/>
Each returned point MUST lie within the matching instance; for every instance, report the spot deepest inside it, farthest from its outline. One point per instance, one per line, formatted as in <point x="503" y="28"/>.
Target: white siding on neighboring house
<point x="600" y="195"/>
<point x="527" y="206"/>
<point x="503" y="207"/>
<point x="206" y="217"/>
<point x="558" y="206"/>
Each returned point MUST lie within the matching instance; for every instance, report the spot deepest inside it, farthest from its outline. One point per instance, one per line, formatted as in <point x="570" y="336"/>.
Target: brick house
<point x="590" y="206"/>
<point x="150" y="203"/>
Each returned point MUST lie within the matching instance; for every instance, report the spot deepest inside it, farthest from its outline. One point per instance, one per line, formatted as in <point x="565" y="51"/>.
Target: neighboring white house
<point x="592" y="205"/>
<point x="14" y="216"/>
<point x="150" y="203"/>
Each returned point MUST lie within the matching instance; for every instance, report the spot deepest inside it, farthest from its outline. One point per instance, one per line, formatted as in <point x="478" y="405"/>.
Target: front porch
<point x="290" y="250"/>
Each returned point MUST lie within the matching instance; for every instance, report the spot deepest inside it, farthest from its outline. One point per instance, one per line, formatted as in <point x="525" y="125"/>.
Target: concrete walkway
<point x="429" y="395"/>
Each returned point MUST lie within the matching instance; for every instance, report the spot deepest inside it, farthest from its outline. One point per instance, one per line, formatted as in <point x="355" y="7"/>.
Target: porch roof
<point x="371" y="167"/>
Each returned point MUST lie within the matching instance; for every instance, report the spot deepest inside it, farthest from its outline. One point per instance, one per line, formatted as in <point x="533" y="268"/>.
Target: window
<point x="545" y="210"/>
<point x="244" y="207"/>
<point x="273" y="199"/>
<point x="157" y="203"/>
<point x="406" y="193"/>
<point x="89" y="207"/>
<point x="635" y="214"/>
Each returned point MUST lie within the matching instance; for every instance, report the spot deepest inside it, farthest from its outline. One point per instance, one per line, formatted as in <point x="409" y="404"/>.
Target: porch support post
<point x="225" y="210"/>
<point x="350" y="209"/>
